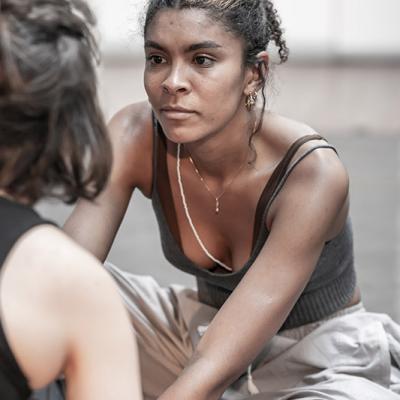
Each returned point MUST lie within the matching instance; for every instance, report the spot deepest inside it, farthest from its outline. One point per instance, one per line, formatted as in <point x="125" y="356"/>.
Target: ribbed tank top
<point x="15" y="220"/>
<point x="333" y="281"/>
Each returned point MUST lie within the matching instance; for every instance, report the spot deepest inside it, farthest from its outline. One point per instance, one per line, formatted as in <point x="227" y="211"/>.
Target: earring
<point x="251" y="100"/>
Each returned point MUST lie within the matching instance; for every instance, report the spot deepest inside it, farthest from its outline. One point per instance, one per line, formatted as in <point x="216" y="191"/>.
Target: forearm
<point x="208" y="376"/>
<point x="94" y="224"/>
<point x="200" y="380"/>
<point x="91" y="232"/>
<point x="226" y="350"/>
<point x="240" y="330"/>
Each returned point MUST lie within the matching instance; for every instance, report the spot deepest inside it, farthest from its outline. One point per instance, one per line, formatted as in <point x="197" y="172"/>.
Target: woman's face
<point x="194" y="75"/>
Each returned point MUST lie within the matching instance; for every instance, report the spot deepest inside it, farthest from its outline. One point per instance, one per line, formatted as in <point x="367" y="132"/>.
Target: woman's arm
<point x="102" y="361"/>
<point x="94" y="224"/>
<point x="304" y="217"/>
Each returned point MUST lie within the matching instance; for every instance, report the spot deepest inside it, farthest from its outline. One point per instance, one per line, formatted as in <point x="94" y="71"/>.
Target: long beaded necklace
<point x="186" y="208"/>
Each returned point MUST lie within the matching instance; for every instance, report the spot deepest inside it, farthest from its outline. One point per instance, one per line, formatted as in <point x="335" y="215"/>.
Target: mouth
<point x="176" y="112"/>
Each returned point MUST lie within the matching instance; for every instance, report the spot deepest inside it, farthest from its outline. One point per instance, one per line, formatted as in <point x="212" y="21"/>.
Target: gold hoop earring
<point x="251" y="100"/>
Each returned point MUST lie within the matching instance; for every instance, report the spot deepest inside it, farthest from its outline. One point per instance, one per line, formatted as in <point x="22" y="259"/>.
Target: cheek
<point x="149" y="84"/>
<point x="222" y="95"/>
<point x="153" y="90"/>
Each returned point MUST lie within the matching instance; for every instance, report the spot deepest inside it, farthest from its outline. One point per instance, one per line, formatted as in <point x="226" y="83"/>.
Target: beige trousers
<point x="351" y="355"/>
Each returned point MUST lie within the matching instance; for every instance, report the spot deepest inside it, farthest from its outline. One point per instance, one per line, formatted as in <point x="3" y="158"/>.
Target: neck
<point x="220" y="154"/>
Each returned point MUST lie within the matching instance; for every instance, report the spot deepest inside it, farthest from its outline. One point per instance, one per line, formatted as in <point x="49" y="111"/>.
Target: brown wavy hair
<point x="53" y="139"/>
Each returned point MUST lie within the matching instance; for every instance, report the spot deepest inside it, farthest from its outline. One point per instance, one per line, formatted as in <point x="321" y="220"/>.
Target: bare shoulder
<point x="131" y="133"/>
<point x="56" y="264"/>
<point x="318" y="176"/>
<point x="318" y="164"/>
<point x="281" y="131"/>
<point x="58" y="292"/>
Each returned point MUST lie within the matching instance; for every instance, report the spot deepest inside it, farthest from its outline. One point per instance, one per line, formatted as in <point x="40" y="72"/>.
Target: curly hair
<point x="256" y="22"/>
<point x="53" y="139"/>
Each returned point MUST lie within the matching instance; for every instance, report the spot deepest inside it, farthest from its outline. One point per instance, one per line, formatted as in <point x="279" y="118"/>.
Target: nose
<point x="176" y="81"/>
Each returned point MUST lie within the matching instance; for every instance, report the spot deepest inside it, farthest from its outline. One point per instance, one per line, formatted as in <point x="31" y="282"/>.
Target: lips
<point x="175" y="108"/>
<point x="176" y="112"/>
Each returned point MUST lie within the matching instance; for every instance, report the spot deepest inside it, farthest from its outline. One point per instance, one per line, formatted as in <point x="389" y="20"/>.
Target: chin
<point x="178" y="135"/>
<point x="181" y="135"/>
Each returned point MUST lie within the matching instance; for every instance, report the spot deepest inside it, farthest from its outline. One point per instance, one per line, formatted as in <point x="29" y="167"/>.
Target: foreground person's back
<point x="52" y="318"/>
<point x="53" y="142"/>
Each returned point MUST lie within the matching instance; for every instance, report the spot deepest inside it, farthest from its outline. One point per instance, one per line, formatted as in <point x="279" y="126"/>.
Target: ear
<point x="257" y="73"/>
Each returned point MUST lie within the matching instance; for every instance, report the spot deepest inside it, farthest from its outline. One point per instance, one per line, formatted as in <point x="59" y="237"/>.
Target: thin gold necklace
<point x="187" y="213"/>
<point x="218" y="197"/>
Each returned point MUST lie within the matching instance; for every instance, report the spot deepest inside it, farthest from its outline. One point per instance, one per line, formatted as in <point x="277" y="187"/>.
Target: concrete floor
<point x="357" y="108"/>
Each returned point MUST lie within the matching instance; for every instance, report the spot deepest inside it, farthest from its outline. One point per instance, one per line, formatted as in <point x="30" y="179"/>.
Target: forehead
<point x="185" y="27"/>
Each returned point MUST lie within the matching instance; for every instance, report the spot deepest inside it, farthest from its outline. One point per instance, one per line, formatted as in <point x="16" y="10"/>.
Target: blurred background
<point x="342" y="78"/>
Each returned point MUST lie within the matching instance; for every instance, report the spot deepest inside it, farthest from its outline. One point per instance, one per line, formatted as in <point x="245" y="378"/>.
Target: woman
<point x="255" y="206"/>
<point x="51" y="137"/>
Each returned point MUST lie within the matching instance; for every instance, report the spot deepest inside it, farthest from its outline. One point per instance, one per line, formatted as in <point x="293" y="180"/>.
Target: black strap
<point x="274" y="181"/>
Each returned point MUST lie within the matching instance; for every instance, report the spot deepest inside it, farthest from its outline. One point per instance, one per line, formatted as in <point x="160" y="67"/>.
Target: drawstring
<point x="251" y="386"/>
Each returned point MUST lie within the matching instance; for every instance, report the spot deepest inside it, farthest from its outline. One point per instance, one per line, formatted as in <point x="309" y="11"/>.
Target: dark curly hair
<point x="53" y="139"/>
<point x="255" y="21"/>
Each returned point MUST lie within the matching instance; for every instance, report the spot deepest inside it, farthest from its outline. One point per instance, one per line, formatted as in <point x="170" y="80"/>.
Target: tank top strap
<point x="295" y="162"/>
<point x="279" y="177"/>
<point x="155" y="152"/>
<point x="161" y="186"/>
<point x="282" y="168"/>
<point x="15" y="220"/>
<point x="12" y="379"/>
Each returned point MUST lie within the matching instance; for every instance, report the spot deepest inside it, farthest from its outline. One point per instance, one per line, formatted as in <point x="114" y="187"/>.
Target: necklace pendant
<point x="216" y="206"/>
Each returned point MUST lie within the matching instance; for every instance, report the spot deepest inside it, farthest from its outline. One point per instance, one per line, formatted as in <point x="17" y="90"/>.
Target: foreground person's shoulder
<point x="55" y="256"/>
<point x="53" y="268"/>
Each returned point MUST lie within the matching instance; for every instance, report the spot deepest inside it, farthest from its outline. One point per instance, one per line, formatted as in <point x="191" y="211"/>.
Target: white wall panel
<point x="313" y="27"/>
<point x="370" y="26"/>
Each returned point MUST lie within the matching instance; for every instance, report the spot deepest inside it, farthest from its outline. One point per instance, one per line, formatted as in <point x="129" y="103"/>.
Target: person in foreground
<point x="254" y="205"/>
<point x="53" y="142"/>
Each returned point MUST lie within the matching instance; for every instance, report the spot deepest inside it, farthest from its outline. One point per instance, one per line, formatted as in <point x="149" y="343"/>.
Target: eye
<point x="156" y="59"/>
<point x="204" y="61"/>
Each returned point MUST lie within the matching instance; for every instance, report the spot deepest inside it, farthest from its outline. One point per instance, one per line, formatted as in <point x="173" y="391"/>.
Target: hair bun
<point x="62" y="16"/>
<point x="48" y="101"/>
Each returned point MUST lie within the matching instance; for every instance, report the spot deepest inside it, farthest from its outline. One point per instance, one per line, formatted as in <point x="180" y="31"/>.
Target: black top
<point x="15" y="220"/>
<point x="333" y="281"/>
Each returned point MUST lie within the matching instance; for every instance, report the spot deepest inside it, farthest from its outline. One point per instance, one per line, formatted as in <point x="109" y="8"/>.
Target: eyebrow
<point x="208" y="44"/>
<point x="155" y="45"/>
<point x="203" y="45"/>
